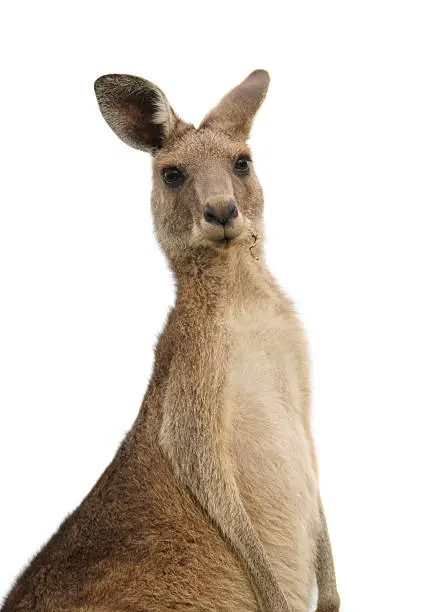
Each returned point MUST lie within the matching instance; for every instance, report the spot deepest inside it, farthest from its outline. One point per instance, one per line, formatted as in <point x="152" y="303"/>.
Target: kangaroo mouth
<point x="227" y="238"/>
<point x="222" y="235"/>
<point x="224" y="240"/>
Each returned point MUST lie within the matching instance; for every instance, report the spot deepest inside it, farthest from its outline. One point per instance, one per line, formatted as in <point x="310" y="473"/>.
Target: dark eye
<point x="242" y="165"/>
<point x="173" y="176"/>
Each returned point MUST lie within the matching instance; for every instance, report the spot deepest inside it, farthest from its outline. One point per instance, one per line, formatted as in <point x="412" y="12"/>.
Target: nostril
<point x="221" y="215"/>
<point x="231" y="211"/>
<point x="211" y="214"/>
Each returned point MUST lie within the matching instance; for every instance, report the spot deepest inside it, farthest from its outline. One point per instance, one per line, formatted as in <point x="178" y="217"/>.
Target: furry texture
<point x="212" y="501"/>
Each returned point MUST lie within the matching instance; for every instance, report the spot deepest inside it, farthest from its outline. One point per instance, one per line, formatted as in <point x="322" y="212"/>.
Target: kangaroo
<point x="212" y="500"/>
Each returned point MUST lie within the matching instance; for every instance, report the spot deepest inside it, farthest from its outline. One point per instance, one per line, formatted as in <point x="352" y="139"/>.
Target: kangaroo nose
<point x="220" y="214"/>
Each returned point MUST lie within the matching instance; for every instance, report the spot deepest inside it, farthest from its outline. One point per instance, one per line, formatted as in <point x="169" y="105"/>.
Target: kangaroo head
<point x="205" y="192"/>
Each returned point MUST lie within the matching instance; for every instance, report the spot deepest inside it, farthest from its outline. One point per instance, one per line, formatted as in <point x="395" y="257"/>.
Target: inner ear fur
<point x="234" y="114"/>
<point x="136" y="110"/>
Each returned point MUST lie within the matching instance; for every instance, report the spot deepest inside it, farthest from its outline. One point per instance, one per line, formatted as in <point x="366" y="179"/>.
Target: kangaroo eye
<point x="173" y="176"/>
<point x="242" y="165"/>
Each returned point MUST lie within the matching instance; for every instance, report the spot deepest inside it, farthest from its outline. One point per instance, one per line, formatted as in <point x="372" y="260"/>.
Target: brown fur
<point x="212" y="501"/>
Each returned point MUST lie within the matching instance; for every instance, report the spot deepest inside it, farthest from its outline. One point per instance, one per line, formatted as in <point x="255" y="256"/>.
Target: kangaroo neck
<point x="208" y="282"/>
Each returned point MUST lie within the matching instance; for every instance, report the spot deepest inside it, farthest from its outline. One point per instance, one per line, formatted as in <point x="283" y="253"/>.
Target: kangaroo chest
<point x="268" y="444"/>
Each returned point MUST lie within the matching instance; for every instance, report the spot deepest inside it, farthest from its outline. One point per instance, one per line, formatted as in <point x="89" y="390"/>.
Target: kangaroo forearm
<point x="193" y="438"/>
<point x="216" y="491"/>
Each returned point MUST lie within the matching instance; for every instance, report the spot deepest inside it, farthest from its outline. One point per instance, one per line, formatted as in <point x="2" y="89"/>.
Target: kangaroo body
<point x="212" y="500"/>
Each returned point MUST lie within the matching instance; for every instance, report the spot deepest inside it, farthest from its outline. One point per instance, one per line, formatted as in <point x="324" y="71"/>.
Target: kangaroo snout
<point x="221" y="213"/>
<point x="221" y="220"/>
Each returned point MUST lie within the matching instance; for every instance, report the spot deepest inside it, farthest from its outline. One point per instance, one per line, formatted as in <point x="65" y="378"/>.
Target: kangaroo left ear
<point x="136" y="110"/>
<point x="235" y="112"/>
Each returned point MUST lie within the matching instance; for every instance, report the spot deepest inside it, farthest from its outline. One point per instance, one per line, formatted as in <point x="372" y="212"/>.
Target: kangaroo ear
<point x="235" y="112"/>
<point x="136" y="110"/>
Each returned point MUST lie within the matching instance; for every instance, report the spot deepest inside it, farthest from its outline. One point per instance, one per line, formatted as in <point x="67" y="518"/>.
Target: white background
<point x="347" y="149"/>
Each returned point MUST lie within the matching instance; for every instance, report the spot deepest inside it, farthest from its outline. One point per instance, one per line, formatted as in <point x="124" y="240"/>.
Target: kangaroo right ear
<point x="136" y="110"/>
<point x="235" y="112"/>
